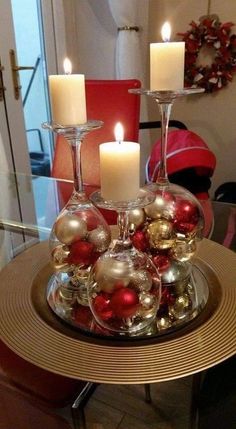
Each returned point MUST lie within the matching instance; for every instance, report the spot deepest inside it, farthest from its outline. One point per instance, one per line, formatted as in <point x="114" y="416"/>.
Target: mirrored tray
<point x="32" y="330"/>
<point x="199" y="292"/>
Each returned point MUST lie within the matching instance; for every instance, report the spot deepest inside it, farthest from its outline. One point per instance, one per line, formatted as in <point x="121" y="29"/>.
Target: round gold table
<point x="30" y="329"/>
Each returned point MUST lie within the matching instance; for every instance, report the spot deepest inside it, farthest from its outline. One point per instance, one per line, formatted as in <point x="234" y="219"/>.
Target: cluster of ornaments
<point x="77" y="240"/>
<point x="168" y="231"/>
<point x="124" y="291"/>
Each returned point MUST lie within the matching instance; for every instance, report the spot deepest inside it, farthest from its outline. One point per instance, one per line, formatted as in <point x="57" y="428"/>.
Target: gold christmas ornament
<point x="136" y="218"/>
<point x="183" y="250"/>
<point x="164" y="323"/>
<point x="181" y="307"/>
<point x="70" y="228"/>
<point x="100" y="238"/>
<point x="59" y="257"/>
<point x="79" y="276"/>
<point x="147" y="304"/>
<point x="161" y="234"/>
<point x="142" y="280"/>
<point x="160" y="208"/>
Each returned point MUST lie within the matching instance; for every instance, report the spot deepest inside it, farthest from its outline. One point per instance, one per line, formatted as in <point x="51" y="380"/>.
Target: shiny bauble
<point x="100" y="238"/>
<point x="161" y="261"/>
<point x="181" y="307"/>
<point x="183" y="250"/>
<point x="140" y="241"/>
<point x="79" y="236"/>
<point x="124" y="302"/>
<point x="102" y="306"/>
<point x="162" y="207"/>
<point x="70" y="228"/>
<point x="81" y="253"/>
<point x="176" y="276"/>
<point x="178" y="205"/>
<point x="146" y="301"/>
<point x="136" y="218"/>
<point x="164" y="323"/>
<point x="60" y="257"/>
<point x="141" y="280"/>
<point x="187" y="216"/>
<point x="111" y="274"/>
<point x="79" y="275"/>
<point x="161" y="234"/>
<point x="124" y="290"/>
<point x="82" y="317"/>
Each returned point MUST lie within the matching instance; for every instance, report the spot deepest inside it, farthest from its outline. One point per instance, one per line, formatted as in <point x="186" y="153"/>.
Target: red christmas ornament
<point x="162" y="262"/>
<point x="81" y="252"/>
<point x="140" y="241"/>
<point x="82" y="316"/>
<point x="124" y="302"/>
<point x="102" y="307"/>
<point x="94" y="257"/>
<point x="186" y="216"/>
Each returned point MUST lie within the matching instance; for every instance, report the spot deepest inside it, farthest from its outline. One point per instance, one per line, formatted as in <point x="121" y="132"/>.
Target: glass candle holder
<point x="170" y="227"/>
<point x="79" y="235"/>
<point x="124" y="285"/>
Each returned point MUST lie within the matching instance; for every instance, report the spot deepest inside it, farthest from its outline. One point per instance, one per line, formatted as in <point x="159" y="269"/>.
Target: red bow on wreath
<point x="212" y="33"/>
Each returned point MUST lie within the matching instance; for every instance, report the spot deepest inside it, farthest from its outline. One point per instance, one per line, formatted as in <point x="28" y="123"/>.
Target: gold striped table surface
<point x="37" y="339"/>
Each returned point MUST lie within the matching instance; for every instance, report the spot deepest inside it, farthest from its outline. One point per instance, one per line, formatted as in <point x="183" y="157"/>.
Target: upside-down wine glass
<point x="124" y="284"/>
<point x="79" y="235"/>
<point x="171" y="227"/>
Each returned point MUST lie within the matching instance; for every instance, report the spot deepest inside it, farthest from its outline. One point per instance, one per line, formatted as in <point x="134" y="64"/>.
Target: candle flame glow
<point x="166" y="32"/>
<point x="119" y="132"/>
<point x="67" y="66"/>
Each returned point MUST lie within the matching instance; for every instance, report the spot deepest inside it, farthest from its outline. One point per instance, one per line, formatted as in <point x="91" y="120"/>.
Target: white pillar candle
<point x="119" y="168"/>
<point x="167" y="63"/>
<point x="67" y="94"/>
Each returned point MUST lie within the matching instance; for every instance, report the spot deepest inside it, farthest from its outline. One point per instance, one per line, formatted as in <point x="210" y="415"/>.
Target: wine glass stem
<point x="123" y="226"/>
<point x="165" y="110"/>
<point x="76" y="162"/>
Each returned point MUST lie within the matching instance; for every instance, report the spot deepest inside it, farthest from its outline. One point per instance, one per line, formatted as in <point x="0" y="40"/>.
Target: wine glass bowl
<point x="124" y="287"/>
<point x="79" y="235"/>
<point x="124" y="290"/>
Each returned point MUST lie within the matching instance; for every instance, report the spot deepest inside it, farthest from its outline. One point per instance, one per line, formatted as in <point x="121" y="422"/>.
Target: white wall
<point x="210" y="115"/>
<point x="91" y="43"/>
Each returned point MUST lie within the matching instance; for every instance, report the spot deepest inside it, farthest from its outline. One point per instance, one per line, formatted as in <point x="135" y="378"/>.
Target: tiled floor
<point x="124" y="407"/>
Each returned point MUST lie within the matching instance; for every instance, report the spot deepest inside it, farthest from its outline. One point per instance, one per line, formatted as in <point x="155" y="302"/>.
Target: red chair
<point x="110" y="102"/>
<point x="21" y="412"/>
<point x="40" y="388"/>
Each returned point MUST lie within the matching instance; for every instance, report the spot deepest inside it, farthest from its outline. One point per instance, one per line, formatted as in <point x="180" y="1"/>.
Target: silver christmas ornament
<point x="100" y="238"/>
<point x="136" y="218"/>
<point x="70" y="228"/>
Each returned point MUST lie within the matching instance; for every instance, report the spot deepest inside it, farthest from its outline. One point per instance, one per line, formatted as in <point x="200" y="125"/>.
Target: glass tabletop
<point x="30" y="205"/>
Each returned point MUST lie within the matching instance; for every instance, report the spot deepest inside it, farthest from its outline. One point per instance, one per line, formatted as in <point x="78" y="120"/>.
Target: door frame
<point x="53" y="15"/>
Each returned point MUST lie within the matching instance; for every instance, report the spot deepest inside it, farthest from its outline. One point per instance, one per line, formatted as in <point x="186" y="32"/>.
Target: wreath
<point x="213" y="34"/>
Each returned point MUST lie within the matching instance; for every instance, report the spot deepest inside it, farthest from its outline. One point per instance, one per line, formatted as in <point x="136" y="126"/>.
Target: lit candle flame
<point x="67" y="66"/>
<point x="119" y="132"/>
<point x="166" y="32"/>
